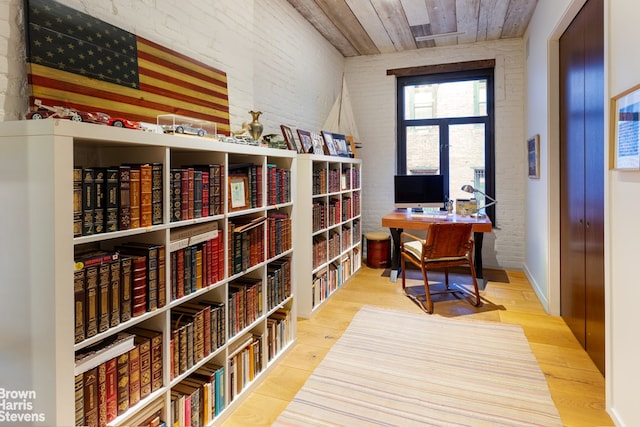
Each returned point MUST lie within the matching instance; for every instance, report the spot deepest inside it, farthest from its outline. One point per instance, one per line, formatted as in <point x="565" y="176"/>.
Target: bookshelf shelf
<point x="41" y="246"/>
<point x="325" y="181"/>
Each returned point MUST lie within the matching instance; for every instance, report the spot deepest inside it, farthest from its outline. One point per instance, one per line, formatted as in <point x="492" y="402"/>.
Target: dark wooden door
<point x="582" y="178"/>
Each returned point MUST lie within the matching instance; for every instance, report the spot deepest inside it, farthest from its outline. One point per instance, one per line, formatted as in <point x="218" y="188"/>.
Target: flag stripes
<point x="67" y="67"/>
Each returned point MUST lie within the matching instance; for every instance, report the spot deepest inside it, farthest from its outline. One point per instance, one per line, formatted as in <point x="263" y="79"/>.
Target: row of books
<point x="318" y="216"/>
<point x="245" y="303"/>
<point x="115" y="376"/>
<point x="199" y="398"/>
<point x="351" y="178"/>
<point x="278" y="184"/>
<point x="333" y="244"/>
<point x="319" y="182"/>
<point x="246" y="243"/>
<point x="278" y="233"/>
<point x="278" y="282"/>
<point x="196" y="191"/>
<point x="197" y="258"/>
<point x="197" y="330"/>
<point x="244" y="363"/>
<point x="319" y="251"/>
<point x="346" y="237"/>
<point x="326" y="282"/>
<point x="350" y="206"/>
<point x="107" y="199"/>
<point x="278" y="332"/>
<point x="111" y="287"/>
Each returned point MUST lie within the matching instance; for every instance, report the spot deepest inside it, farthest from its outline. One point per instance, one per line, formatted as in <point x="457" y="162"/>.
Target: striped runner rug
<point x="393" y="368"/>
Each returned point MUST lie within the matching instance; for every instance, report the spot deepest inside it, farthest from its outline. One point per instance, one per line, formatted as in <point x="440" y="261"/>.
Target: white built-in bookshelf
<point x="329" y="247"/>
<point x="39" y="250"/>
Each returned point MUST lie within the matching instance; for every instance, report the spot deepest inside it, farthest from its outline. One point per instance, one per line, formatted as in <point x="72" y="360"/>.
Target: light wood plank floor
<point x="576" y="386"/>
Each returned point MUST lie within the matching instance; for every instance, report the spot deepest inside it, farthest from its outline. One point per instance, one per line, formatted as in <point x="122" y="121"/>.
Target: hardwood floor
<point x="576" y="386"/>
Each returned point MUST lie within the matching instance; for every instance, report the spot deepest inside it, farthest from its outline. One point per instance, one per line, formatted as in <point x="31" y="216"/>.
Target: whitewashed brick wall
<point x="373" y="95"/>
<point x="275" y="61"/>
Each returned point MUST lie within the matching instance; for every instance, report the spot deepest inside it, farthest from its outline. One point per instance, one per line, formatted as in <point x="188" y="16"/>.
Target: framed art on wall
<point x="533" y="156"/>
<point x="625" y="130"/>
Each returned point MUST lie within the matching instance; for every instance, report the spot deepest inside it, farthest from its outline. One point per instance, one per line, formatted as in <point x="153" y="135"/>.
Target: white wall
<point x="623" y="370"/>
<point x="621" y="189"/>
<point x="373" y="95"/>
<point x="275" y="61"/>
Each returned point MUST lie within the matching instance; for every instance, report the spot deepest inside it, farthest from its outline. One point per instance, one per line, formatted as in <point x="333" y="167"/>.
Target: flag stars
<point x="38" y="43"/>
<point x="90" y="52"/>
<point x="70" y="46"/>
<point x="49" y="54"/>
<point x="60" y="50"/>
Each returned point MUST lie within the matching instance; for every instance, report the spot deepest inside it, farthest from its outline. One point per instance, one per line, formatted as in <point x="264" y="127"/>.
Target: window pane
<point x="466" y="160"/>
<point x="423" y="150"/>
<point x="452" y="99"/>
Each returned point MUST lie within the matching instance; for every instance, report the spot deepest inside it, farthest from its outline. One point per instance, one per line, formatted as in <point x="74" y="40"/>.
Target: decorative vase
<point x="255" y="127"/>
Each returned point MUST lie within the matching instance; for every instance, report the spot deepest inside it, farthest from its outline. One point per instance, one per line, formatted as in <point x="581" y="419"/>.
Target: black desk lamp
<point x="470" y="189"/>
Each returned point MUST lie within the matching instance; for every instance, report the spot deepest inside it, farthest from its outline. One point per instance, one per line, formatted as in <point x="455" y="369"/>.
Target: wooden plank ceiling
<point x="369" y="27"/>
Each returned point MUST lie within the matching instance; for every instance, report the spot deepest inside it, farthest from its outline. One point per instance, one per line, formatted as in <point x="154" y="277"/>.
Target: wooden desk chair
<point x="447" y="245"/>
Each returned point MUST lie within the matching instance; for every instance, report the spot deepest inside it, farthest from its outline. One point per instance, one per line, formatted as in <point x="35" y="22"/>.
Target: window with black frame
<point x="446" y="126"/>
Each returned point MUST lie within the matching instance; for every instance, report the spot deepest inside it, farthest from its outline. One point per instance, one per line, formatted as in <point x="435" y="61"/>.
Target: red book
<point x="205" y="194"/>
<point x="112" y="388"/>
<point x="139" y="285"/>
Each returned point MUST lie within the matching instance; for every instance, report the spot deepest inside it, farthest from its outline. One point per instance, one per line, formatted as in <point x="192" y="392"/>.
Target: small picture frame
<point x="318" y="143"/>
<point x="341" y="144"/>
<point x="305" y="141"/>
<point x="290" y="138"/>
<point x="330" y="145"/>
<point x="625" y="130"/>
<point x="533" y="156"/>
<point x="238" y="192"/>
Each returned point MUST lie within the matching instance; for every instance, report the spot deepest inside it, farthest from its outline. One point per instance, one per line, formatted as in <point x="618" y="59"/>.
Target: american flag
<point x="78" y="61"/>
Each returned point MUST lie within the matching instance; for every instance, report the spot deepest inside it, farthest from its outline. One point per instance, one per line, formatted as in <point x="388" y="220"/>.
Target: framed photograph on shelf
<point x="290" y="138"/>
<point x="305" y="141"/>
<point x="533" y="156"/>
<point x="318" y="143"/>
<point x="238" y="192"/>
<point x="329" y="143"/>
<point x="341" y="144"/>
<point x="625" y="130"/>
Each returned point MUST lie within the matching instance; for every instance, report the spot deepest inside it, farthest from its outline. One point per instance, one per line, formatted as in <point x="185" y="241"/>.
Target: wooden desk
<point x="400" y="219"/>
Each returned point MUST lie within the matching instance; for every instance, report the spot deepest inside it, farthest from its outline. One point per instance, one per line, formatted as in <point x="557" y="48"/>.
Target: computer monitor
<point x="418" y="191"/>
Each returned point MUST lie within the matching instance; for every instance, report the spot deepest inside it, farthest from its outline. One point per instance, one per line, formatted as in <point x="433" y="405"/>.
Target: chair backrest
<point x="447" y="240"/>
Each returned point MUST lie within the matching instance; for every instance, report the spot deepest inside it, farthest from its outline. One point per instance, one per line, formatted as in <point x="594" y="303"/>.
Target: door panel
<point x="582" y="179"/>
<point x="572" y="295"/>
<point x="594" y="182"/>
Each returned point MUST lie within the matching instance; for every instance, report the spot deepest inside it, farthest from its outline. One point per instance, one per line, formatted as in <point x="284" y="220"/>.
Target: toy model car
<point x="184" y="128"/>
<point x="45" y="111"/>
<point x="119" y="122"/>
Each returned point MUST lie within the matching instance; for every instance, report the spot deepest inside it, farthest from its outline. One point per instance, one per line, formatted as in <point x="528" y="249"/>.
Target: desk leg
<point x="478" y="237"/>
<point x="395" y="254"/>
